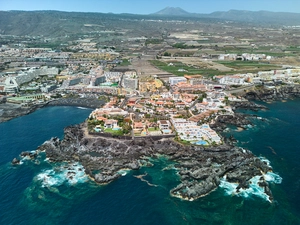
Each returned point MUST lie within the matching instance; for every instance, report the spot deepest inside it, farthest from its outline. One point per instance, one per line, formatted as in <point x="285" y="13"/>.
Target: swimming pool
<point x="201" y="143"/>
<point x="167" y="131"/>
<point x="97" y="129"/>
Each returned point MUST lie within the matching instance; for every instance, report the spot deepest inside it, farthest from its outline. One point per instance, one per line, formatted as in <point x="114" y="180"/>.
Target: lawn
<point x="239" y="66"/>
<point x="248" y="65"/>
<point x="189" y="70"/>
<point x="115" y="132"/>
<point x="125" y="62"/>
<point x="152" y="129"/>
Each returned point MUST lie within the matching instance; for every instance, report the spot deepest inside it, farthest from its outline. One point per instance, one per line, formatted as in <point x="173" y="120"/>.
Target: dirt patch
<point x="143" y="67"/>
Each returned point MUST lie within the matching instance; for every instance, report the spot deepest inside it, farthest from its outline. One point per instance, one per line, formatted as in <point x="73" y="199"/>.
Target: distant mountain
<point x="58" y="24"/>
<point x="260" y="17"/>
<point x="255" y="17"/>
<point x="172" y="11"/>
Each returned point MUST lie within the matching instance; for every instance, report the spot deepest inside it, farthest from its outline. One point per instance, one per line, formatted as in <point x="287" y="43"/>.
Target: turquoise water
<point x="200" y="142"/>
<point x="43" y="193"/>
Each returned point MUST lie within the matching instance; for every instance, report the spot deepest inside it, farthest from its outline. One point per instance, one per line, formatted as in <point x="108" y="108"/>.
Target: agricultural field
<point x="249" y="66"/>
<point x="181" y="69"/>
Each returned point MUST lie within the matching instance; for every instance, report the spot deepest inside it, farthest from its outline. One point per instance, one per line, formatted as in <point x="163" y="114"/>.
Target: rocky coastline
<point x="92" y="103"/>
<point x="276" y="93"/>
<point x="10" y="111"/>
<point x="200" y="168"/>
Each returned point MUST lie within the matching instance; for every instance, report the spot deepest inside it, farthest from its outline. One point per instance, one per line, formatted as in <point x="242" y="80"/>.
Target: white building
<point x="210" y="133"/>
<point x="190" y="131"/>
<point x="175" y="80"/>
<point x="232" y="80"/>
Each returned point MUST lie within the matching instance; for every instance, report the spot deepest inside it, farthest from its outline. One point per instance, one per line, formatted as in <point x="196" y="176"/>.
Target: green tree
<point x="167" y="54"/>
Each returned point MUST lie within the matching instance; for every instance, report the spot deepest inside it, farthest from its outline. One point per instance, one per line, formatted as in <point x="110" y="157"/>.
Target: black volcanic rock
<point x="200" y="168"/>
<point x="15" y="161"/>
<point x="237" y="119"/>
<point x="276" y="93"/>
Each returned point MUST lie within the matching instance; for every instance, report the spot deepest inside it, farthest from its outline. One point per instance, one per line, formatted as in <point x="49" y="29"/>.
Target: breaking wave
<point x="70" y="174"/>
<point x="265" y="160"/>
<point x="81" y="107"/>
<point x="254" y="188"/>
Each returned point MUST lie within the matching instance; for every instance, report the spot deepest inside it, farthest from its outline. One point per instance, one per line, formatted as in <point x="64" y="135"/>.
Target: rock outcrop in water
<point x="200" y="168"/>
<point x="237" y="119"/>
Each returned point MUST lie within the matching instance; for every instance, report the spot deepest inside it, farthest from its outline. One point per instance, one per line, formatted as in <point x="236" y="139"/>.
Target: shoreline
<point x="9" y="111"/>
<point x="282" y="93"/>
<point x="195" y="164"/>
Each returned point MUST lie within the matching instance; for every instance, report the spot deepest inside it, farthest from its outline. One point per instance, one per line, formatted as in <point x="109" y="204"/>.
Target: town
<point x="170" y="86"/>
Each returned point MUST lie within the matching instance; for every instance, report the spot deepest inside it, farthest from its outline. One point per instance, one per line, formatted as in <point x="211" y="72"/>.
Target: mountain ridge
<point x="261" y="16"/>
<point x="58" y="23"/>
<point x="172" y="11"/>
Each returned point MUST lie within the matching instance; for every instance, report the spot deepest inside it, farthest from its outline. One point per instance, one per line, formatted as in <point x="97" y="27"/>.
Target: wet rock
<point x="248" y="105"/>
<point x="238" y="120"/>
<point x="134" y="165"/>
<point x="15" y="161"/>
<point x="199" y="168"/>
<point x="29" y="155"/>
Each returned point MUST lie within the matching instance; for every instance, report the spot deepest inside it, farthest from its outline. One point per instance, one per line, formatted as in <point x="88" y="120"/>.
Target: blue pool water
<point x="201" y="142"/>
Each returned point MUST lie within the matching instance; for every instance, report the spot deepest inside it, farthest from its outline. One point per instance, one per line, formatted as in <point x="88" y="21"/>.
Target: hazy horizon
<point x="140" y="7"/>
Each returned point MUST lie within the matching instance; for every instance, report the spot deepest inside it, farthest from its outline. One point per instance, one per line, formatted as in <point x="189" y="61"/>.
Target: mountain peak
<point x="172" y="11"/>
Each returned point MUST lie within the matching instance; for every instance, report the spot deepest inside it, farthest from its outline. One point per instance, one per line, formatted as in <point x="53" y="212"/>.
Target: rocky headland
<point x="200" y="168"/>
<point x="275" y="93"/>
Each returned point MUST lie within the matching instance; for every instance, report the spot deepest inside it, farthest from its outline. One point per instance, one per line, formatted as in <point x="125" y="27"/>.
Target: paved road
<point x="240" y="89"/>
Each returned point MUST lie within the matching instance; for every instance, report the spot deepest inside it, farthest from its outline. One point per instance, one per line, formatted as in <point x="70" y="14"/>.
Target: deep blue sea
<point x="39" y="192"/>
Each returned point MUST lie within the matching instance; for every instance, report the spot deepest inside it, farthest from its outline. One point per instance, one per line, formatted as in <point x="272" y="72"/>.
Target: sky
<point x="150" y="6"/>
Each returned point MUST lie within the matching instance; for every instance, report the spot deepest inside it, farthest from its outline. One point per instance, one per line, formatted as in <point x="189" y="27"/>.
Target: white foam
<point x="70" y="174"/>
<point x="253" y="190"/>
<point x="23" y="159"/>
<point x="229" y="188"/>
<point x="123" y="172"/>
<point x="263" y="159"/>
<point x="273" y="178"/>
<point x="81" y="107"/>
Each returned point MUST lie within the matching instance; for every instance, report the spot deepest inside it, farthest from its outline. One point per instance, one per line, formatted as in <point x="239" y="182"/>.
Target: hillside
<point x="255" y="17"/>
<point x="172" y="11"/>
<point x="58" y="24"/>
<point x="259" y="17"/>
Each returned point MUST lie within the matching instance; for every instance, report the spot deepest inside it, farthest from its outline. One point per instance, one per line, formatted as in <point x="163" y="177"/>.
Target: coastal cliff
<point x="201" y="169"/>
<point x="275" y="93"/>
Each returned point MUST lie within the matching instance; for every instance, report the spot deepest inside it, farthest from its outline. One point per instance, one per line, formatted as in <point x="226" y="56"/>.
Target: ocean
<point x="40" y="192"/>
